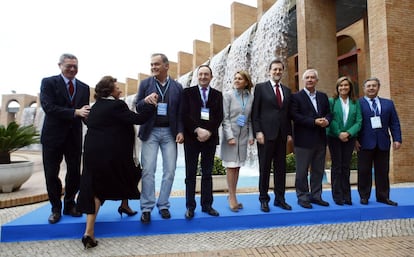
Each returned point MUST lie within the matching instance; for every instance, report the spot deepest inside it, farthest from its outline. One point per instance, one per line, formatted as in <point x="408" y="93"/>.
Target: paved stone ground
<point x="373" y="238"/>
<point x="385" y="238"/>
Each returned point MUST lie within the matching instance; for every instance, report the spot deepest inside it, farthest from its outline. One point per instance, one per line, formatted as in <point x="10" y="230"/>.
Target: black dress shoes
<point x="320" y="202"/>
<point x="165" y="213"/>
<point x="337" y="202"/>
<point x="388" y="201"/>
<point x="264" y="206"/>
<point x="189" y="214"/>
<point x="348" y="202"/>
<point x="304" y="204"/>
<point x="364" y="201"/>
<point x="72" y="212"/>
<point x="54" y="217"/>
<point x="146" y="217"/>
<point x="283" y="205"/>
<point x="211" y="211"/>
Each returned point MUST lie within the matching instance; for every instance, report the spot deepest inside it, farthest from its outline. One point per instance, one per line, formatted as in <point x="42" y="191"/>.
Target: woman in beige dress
<point x="237" y="132"/>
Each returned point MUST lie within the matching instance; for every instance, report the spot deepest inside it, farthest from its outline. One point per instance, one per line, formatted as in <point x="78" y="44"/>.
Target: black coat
<point x="109" y="171"/>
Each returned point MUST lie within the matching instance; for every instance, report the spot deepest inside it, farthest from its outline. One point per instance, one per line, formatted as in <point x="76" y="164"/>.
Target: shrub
<point x="354" y="161"/>
<point x="218" y="168"/>
<point x="290" y="163"/>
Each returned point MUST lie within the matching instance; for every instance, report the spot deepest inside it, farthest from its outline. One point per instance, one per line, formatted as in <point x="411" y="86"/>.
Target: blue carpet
<point x="34" y="225"/>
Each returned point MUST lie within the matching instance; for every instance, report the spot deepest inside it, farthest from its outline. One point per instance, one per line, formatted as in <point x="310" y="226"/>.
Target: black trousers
<point x="341" y="155"/>
<point x="52" y="158"/>
<point x="192" y="152"/>
<point x="380" y="161"/>
<point x="272" y="152"/>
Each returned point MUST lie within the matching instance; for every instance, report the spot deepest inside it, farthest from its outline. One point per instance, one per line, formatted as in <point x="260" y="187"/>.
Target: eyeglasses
<point x="70" y="66"/>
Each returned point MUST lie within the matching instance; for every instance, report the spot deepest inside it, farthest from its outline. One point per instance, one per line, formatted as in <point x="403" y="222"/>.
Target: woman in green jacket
<point x="342" y="134"/>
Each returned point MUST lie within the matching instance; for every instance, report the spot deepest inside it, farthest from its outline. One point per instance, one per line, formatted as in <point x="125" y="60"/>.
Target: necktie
<point x="278" y="96"/>
<point x="71" y="88"/>
<point x="375" y="107"/>
<point x="204" y="94"/>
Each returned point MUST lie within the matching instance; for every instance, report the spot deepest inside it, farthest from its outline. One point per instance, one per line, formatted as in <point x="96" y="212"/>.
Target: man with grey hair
<point x="162" y="131"/>
<point x="311" y="114"/>
<point x="65" y="101"/>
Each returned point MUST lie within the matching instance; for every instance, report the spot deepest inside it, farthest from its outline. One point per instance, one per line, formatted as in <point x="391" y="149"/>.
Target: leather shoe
<point x="320" y="202"/>
<point x="283" y="205"/>
<point x="264" y="206"/>
<point x="146" y="217"/>
<point x="306" y="205"/>
<point x="54" y="217"/>
<point x="165" y="213"/>
<point x="211" y="211"/>
<point x="388" y="201"/>
<point x="339" y="202"/>
<point x="348" y="202"/>
<point x="189" y="214"/>
<point x="364" y="201"/>
<point x="72" y="212"/>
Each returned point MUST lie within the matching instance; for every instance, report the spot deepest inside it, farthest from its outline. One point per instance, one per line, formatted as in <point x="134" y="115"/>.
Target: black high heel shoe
<point x="88" y="242"/>
<point x="127" y="212"/>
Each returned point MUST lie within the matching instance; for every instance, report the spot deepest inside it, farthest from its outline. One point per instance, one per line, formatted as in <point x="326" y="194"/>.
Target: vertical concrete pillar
<point x="219" y="37"/>
<point x="185" y="63"/>
<point x="131" y="86"/>
<point x="263" y="6"/>
<point x="201" y="50"/>
<point x="172" y="71"/>
<point x="242" y="17"/>
<point x="316" y="30"/>
<point x="391" y="44"/>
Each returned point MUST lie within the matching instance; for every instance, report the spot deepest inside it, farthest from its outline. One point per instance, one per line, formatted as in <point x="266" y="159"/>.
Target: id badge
<point x="376" y="122"/>
<point x="205" y="113"/>
<point x="162" y="109"/>
<point x="241" y="120"/>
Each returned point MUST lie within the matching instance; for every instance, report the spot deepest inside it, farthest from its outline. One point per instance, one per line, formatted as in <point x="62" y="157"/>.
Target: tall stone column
<point x="317" y="46"/>
<point x="391" y="46"/>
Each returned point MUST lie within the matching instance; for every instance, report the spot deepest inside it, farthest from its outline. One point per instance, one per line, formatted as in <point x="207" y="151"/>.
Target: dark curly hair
<point x="105" y="87"/>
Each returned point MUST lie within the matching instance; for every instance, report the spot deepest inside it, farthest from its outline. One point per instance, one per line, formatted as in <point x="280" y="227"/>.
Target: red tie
<point x="278" y="96"/>
<point x="71" y="88"/>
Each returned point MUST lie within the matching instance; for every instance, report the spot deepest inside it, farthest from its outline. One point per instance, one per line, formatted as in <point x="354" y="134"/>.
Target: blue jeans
<point x="160" y="138"/>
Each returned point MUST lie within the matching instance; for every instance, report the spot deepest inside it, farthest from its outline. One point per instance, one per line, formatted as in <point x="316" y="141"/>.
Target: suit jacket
<point x="174" y="94"/>
<point x="353" y="122"/>
<point x="306" y="134"/>
<point x="192" y="105"/>
<point x="267" y="116"/>
<point x="369" y="138"/>
<point x="60" y="122"/>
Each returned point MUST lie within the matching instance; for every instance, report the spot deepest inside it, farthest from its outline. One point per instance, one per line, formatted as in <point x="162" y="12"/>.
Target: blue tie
<point x="204" y="89"/>
<point x="375" y="107"/>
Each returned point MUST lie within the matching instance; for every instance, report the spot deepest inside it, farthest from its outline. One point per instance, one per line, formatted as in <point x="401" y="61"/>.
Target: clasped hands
<point x="321" y="122"/>
<point x="83" y="112"/>
<point x="151" y="99"/>
<point x="202" y="134"/>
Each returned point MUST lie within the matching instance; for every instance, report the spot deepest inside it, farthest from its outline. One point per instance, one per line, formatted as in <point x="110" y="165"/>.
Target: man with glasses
<point x="65" y="101"/>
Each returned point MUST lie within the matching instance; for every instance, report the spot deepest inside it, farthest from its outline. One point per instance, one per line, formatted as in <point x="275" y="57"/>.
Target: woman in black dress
<point x="109" y="171"/>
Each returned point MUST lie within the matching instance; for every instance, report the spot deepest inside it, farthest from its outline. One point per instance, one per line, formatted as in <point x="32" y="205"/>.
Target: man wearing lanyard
<point x="272" y="127"/>
<point x="204" y="114"/>
<point x="163" y="131"/>
<point x="379" y="118"/>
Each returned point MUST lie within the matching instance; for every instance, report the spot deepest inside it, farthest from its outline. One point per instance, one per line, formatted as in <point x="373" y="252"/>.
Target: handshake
<point x="202" y="134"/>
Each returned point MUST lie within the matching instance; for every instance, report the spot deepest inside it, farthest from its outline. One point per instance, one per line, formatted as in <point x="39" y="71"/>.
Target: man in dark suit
<point x="379" y="118"/>
<point x="162" y="131"/>
<point x="311" y="114"/>
<point x="271" y="125"/>
<point x="65" y="101"/>
<point x="203" y="106"/>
